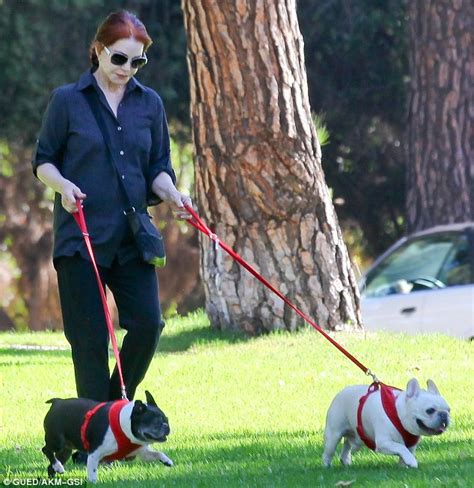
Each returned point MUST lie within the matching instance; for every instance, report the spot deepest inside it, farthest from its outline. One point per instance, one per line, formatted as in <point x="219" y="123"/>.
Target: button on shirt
<point x="71" y="140"/>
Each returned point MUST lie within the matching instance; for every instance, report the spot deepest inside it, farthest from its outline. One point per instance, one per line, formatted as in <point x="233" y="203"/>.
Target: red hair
<point x="119" y="25"/>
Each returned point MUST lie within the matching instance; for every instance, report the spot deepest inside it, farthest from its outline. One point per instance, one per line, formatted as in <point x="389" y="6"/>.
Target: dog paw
<point x="346" y="460"/>
<point x="58" y="467"/>
<point x="327" y="461"/>
<point x="166" y="460"/>
<point x="408" y="463"/>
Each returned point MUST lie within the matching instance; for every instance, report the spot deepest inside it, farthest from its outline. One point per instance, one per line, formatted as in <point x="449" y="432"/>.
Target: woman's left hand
<point x="182" y="213"/>
<point x="164" y="187"/>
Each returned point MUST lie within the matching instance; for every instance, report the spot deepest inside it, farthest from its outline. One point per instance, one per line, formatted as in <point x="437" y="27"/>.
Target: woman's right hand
<point x="69" y="194"/>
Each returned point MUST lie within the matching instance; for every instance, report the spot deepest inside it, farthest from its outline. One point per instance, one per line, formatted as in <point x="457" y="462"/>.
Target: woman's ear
<point x="97" y="48"/>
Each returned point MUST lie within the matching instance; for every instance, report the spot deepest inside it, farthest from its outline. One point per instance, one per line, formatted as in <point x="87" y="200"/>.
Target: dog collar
<point x="388" y="402"/>
<point x="124" y="445"/>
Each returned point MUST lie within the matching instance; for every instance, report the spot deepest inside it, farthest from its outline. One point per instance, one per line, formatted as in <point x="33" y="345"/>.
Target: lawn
<point x="245" y="412"/>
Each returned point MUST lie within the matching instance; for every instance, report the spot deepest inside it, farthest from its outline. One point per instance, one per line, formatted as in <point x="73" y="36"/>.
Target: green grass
<point x="246" y="412"/>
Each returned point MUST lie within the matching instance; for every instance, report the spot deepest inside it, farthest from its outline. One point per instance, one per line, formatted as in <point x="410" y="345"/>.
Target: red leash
<point x="387" y="396"/>
<point x="81" y="222"/>
<point x="201" y="226"/>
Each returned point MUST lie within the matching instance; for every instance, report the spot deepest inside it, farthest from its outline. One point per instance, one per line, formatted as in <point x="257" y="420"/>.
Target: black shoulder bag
<point x="147" y="237"/>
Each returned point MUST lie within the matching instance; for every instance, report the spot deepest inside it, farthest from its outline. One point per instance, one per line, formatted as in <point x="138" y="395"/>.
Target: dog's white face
<point x="426" y="411"/>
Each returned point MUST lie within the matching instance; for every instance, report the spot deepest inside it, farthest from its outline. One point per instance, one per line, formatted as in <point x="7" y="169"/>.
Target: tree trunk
<point x="440" y="177"/>
<point x="259" y="181"/>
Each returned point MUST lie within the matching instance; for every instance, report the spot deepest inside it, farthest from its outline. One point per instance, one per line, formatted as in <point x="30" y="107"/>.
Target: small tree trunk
<point x="440" y="175"/>
<point x="259" y="180"/>
<point x="27" y="225"/>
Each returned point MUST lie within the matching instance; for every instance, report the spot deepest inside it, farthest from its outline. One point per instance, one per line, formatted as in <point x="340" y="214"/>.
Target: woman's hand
<point x="69" y="194"/>
<point x="50" y="176"/>
<point x="164" y="187"/>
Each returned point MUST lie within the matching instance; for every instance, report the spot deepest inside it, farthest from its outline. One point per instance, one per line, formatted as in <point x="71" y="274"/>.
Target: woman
<point x="73" y="160"/>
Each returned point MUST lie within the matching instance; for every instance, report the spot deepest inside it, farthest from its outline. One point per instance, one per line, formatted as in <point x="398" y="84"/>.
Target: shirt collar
<point x="87" y="79"/>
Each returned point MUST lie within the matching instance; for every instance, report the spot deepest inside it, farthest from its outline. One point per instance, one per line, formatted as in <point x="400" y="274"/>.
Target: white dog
<point x="388" y="420"/>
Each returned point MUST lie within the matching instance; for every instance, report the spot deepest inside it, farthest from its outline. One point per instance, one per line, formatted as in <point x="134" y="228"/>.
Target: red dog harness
<point x="124" y="445"/>
<point x="388" y="402"/>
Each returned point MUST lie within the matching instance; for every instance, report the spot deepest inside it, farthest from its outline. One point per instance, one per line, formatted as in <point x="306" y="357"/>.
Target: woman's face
<point x="119" y="75"/>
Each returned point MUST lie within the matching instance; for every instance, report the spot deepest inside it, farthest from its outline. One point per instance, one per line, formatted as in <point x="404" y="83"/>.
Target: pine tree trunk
<point x="259" y="181"/>
<point x="440" y="177"/>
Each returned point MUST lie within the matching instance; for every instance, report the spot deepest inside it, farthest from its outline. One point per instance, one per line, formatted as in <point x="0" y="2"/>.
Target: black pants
<point x="134" y="286"/>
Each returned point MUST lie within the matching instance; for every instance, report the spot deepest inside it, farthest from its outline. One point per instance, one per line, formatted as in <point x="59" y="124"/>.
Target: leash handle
<point x="81" y="222"/>
<point x="197" y="222"/>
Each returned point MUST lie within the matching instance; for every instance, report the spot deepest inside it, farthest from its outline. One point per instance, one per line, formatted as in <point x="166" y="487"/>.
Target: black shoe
<point x="79" y="457"/>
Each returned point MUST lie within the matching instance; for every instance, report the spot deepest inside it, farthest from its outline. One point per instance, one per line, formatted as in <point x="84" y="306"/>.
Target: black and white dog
<point x="106" y="431"/>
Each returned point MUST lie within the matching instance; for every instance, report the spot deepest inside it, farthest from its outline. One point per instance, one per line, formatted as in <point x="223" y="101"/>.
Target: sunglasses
<point x="119" y="59"/>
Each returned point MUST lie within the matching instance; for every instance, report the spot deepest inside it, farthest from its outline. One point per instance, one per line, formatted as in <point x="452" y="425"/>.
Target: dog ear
<point x="432" y="388"/>
<point x="149" y="399"/>
<point x="139" y="407"/>
<point x="413" y="388"/>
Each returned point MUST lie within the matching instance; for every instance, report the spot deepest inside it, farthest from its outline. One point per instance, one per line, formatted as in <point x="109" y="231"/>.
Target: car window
<point x="457" y="268"/>
<point x="420" y="263"/>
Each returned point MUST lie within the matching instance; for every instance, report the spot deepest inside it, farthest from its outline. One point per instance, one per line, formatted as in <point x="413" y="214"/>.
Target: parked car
<point x="423" y="283"/>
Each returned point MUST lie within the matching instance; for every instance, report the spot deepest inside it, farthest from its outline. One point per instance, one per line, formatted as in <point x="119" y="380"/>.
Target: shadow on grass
<point x="11" y="355"/>
<point x="180" y="341"/>
<point x="187" y="338"/>
<point x="170" y="342"/>
<point x="267" y="459"/>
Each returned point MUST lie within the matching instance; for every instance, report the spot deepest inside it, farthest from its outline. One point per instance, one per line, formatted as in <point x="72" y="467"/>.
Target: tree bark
<point x="259" y="181"/>
<point x="440" y="176"/>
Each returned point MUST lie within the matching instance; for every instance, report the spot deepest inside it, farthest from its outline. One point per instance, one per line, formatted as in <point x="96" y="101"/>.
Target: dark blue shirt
<point x="71" y="140"/>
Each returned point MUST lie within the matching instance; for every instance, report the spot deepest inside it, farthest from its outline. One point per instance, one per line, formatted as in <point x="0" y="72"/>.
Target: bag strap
<point x="93" y="100"/>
